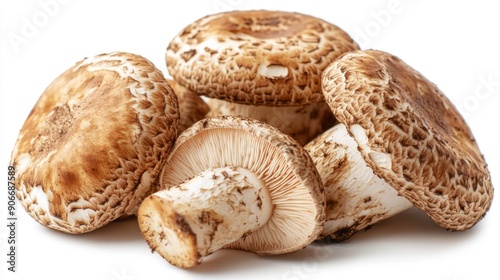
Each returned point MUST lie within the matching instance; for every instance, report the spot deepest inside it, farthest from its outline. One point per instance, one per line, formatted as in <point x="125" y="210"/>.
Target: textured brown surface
<point x="220" y="56"/>
<point x="94" y="142"/>
<point x="274" y="157"/>
<point x="436" y="164"/>
<point x="192" y="107"/>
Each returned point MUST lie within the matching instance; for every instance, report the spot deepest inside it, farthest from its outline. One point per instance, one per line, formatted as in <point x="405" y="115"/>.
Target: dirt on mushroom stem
<point x="356" y="198"/>
<point x="214" y="208"/>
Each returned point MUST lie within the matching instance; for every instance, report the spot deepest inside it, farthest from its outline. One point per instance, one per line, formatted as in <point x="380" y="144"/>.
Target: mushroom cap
<point x="256" y="57"/>
<point x="280" y="161"/>
<point x="192" y="107"/>
<point x="411" y="135"/>
<point x="94" y="143"/>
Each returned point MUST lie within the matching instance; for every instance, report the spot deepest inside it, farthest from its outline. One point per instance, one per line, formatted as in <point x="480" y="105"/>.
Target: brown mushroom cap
<point x="192" y="107"/>
<point x="256" y="57"/>
<point x="277" y="159"/>
<point x="94" y="143"/>
<point x="411" y="135"/>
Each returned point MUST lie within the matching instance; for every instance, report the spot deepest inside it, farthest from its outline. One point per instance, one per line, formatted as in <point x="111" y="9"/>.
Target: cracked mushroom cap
<point x="411" y="135"/>
<point x="94" y="143"/>
<point x="277" y="159"/>
<point x="256" y="57"/>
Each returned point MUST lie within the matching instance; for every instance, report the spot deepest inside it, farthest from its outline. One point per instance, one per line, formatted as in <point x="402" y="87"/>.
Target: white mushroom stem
<point x="355" y="197"/>
<point x="303" y="122"/>
<point x="201" y="215"/>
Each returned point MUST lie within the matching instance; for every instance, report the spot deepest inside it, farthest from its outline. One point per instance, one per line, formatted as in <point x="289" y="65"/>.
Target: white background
<point x="454" y="44"/>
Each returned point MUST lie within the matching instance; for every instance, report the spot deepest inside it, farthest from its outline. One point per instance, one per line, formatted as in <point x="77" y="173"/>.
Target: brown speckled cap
<point x="192" y="107"/>
<point x="94" y="143"/>
<point x="256" y="57"/>
<point x="429" y="154"/>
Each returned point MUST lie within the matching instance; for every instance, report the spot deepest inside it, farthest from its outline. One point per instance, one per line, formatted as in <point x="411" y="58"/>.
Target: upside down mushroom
<point x="400" y="142"/>
<point x="94" y="143"/>
<point x="233" y="182"/>
<point x="261" y="64"/>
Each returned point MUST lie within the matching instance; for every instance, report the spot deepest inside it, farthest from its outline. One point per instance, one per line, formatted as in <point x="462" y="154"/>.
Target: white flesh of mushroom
<point x="303" y="122"/>
<point x="273" y="71"/>
<point x="217" y="207"/>
<point x="356" y="197"/>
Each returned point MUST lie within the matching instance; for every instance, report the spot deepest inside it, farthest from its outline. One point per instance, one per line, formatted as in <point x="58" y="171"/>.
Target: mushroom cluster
<point x="300" y="135"/>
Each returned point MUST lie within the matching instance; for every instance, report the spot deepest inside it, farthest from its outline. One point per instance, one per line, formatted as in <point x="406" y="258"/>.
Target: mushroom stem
<point x="302" y="122"/>
<point x="355" y="197"/>
<point x="206" y="212"/>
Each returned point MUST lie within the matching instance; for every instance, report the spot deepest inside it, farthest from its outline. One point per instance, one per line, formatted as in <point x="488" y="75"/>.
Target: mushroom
<point x="192" y="107"/>
<point x="401" y="142"/>
<point x="233" y="182"/>
<point x="261" y="64"/>
<point x="95" y="141"/>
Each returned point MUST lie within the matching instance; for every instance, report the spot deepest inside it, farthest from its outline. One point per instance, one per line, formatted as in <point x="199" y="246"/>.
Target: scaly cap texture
<point x="411" y="135"/>
<point x="94" y="143"/>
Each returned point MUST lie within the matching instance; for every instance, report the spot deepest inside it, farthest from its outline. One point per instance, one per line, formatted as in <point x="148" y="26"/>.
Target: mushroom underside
<point x="295" y="213"/>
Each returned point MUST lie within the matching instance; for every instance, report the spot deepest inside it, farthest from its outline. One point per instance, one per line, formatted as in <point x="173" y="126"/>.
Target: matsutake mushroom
<point x="400" y="143"/>
<point x="233" y="182"/>
<point x="265" y="65"/>
<point x="94" y="143"/>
